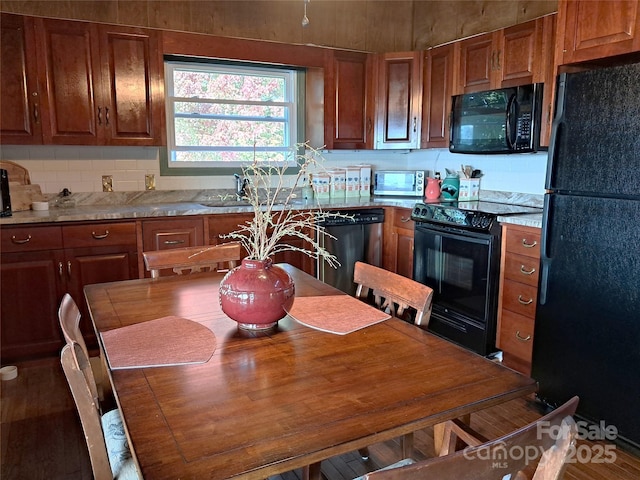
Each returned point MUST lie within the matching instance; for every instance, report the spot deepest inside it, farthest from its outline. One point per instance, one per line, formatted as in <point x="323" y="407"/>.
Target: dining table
<point x="261" y="403"/>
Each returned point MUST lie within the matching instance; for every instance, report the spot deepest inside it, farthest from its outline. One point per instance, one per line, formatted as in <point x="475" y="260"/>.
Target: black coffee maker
<point x="5" y="206"/>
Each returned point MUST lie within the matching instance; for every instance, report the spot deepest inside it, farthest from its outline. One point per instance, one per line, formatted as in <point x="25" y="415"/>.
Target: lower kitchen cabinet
<point x="518" y="295"/>
<point x="39" y="264"/>
<point x="398" y="242"/>
<point x="226" y="223"/>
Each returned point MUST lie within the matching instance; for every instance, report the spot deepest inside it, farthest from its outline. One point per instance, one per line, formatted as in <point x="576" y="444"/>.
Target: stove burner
<point x="478" y="215"/>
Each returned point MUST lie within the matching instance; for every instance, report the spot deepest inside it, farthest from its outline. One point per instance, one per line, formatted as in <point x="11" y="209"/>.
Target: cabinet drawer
<point x="523" y="241"/>
<point x="519" y="298"/>
<point x="402" y="218"/>
<point x="516" y="336"/>
<point x="98" y="235"/>
<point x="522" y="269"/>
<point x="166" y="234"/>
<point x="29" y="239"/>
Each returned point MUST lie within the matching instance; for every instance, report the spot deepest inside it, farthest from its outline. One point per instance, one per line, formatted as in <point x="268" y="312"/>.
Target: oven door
<point x="462" y="268"/>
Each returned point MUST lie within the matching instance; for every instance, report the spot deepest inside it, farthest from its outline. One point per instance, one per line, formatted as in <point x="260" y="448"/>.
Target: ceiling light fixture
<point x="305" y="19"/>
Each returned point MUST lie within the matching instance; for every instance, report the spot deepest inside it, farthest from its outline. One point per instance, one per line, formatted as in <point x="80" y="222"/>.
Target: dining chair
<point x="188" y="260"/>
<point x="69" y="318"/>
<point x="107" y="443"/>
<point x="543" y="446"/>
<point x="393" y="293"/>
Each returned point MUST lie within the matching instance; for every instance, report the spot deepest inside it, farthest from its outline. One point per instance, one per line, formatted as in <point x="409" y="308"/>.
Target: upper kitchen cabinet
<point x="102" y="84"/>
<point x="505" y="58"/>
<point x="436" y="99"/>
<point x="349" y="109"/>
<point x="399" y="100"/>
<point x="597" y="29"/>
<point x="19" y="94"/>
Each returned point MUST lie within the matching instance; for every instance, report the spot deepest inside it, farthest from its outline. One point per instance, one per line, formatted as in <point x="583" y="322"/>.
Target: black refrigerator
<point x="587" y="332"/>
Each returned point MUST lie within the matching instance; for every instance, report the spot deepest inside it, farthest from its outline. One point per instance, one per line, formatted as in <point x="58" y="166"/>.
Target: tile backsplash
<point x="80" y="168"/>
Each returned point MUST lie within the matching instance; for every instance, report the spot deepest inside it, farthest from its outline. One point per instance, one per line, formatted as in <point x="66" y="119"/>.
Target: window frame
<point x="299" y="81"/>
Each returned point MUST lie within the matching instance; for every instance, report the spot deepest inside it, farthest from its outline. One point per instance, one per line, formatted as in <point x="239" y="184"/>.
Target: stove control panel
<point x="451" y="215"/>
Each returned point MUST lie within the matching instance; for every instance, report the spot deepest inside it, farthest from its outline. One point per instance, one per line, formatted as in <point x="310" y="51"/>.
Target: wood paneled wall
<point x="366" y="25"/>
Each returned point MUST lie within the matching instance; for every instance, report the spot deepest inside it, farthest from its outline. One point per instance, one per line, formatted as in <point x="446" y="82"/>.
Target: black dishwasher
<point x="358" y="238"/>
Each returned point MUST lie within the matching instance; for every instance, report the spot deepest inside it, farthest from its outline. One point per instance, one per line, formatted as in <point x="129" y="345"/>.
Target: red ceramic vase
<point x="256" y="293"/>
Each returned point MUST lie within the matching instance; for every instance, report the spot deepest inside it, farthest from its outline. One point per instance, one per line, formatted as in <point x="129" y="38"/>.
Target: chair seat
<point x="122" y="464"/>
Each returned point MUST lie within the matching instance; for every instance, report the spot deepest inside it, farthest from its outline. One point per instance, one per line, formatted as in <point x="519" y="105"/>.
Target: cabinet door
<point x="85" y="266"/>
<point x="398" y="243"/>
<point x="399" y="100"/>
<point x="478" y="61"/>
<point x="30" y="285"/>
<point x="519" y="54"/>
<point x="132" y="86"/>
<point x="69" y="66"/>
<point x="438" y="87"/>
<point x="19" y="101"/>
<point x="597" y="29"/>
<point x="349" y="111"/>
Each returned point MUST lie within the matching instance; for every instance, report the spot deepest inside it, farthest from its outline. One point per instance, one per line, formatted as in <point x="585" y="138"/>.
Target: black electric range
<point x="457" y="253"/>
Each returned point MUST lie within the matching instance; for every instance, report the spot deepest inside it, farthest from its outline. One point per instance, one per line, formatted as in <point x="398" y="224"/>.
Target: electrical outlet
<point x="150" y="181"/>
<point x="107" y="183"/>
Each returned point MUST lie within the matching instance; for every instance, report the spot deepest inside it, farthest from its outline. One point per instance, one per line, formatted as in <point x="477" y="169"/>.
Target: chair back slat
<point x="544" y="445"/>
<point x="394" y="293"/>
<point x="189" y="260"/>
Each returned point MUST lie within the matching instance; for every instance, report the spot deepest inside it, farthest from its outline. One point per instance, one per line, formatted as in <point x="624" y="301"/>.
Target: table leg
<point x="438" y="433"/>
<point x="312" y="472"/>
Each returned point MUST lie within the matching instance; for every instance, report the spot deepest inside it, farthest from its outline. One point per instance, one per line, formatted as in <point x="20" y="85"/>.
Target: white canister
<point x="338" y="182"/>
<point x="365" y="180"/>
<point x="352" y="183"/>
<point x="320" y="184"/>
<point x="469" y="189"/>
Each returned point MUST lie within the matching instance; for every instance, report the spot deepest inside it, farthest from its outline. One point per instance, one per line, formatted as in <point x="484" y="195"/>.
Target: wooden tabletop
<point x="269" y="403"/>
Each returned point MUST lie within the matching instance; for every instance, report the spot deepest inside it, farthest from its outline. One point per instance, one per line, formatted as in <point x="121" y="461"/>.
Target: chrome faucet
<point x="241" y="184"/>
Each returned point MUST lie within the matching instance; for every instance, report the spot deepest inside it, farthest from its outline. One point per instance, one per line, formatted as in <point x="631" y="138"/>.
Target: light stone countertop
<point x="527" y="220"/>
<point x="137" y="211"/>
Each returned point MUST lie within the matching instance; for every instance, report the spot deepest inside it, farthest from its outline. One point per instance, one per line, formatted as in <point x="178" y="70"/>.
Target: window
<point x="220" y="115"/>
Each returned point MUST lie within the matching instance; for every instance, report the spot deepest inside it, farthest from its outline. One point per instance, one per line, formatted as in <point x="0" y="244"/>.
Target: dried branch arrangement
<point x="275" y="217"/>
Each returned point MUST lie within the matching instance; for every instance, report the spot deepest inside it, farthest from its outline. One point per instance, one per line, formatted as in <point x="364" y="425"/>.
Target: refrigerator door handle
<point x="556" y="131"/>
<point x="545" y="260"/>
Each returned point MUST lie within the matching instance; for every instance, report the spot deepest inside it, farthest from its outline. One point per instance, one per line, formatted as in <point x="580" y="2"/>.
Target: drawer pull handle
<point x="528" y="245"/>
<point x="524" y="302"/>
<point x="100" y="236"/>
<point x="405" y="219"/>
<point x="20" y="241"/>
<point x="60" y="269"/>
<point x="526" y="272"/>
<point x="173" y="242"/>
<point x="521" y="338"/>
<point x="69" y="268"/>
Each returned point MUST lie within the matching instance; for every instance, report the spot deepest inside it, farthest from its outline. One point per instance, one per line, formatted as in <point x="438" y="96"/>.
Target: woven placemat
<point x="339" y="314"/>
<point x="160" y="342"/>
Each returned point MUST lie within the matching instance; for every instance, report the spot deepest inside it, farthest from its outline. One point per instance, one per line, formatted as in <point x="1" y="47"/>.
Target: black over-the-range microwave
<point x="497" y="121"/>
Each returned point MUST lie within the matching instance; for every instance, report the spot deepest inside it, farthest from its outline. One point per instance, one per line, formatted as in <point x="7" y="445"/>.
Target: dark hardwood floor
<point x="41" y="437"/>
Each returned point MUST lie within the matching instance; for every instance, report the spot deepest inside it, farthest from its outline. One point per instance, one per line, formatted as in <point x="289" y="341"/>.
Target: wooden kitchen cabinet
<point x="39" y="264"/>
<point x="398" y="241"/>
<point x="225" y="223"/>
<point x="101" y="84"/>
<point x="399" y="100"/>
<point x="165" y="233"/>
<point x="20" y="121"/>
<point x="437" y="92"/>
<point x="503" y="58"/>
<point x="350" y="105"/>
<point x="596" y="29"/>
<point x="518" y="295"/>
